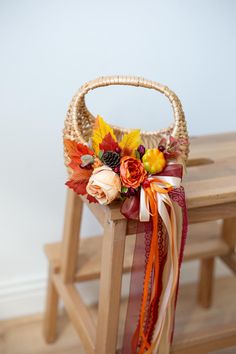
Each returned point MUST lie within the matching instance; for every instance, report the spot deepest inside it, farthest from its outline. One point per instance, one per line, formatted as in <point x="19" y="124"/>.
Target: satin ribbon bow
<point x="161" y="185"/>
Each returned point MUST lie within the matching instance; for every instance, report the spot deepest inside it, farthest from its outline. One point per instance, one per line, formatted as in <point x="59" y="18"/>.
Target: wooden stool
<point x="211" y="195"/>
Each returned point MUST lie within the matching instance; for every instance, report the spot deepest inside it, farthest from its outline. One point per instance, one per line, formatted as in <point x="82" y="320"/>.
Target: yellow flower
<point x="154" y="161"/>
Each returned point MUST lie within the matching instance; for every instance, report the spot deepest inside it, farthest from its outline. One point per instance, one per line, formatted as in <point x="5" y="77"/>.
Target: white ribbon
<point x="144" y="212"/>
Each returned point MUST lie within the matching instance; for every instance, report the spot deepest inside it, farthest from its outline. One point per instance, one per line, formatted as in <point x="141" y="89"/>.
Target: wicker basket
<point x="79" y="121"/>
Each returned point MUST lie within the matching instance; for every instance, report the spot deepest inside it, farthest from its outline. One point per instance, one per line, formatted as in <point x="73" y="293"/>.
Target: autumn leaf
<point x="76" y="150"/>
<point x="80" y="174"/>
<point x="91" y="199"/>
<point x="100" y="130"/>
<point x="173" y="143"/>
<point x="108" y="143"/>
<point x="73" y="165"/>
<point x="79" y="179"/>
<point x="130" y="142"/>
<point x="172" y="149"/>
<point x="78" y="187"/>
<point x="163" y="142"/>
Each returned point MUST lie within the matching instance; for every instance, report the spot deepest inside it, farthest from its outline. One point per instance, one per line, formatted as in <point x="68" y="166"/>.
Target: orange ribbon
<point x="151" y="199"/>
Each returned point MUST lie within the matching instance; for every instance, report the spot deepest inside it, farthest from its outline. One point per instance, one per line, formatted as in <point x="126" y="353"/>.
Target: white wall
<point x="50" y="48"/>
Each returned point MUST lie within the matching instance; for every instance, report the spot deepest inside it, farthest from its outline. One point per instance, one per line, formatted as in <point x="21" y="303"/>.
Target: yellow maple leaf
<point x="100" y="130"/>
<point x="130" y="142"/>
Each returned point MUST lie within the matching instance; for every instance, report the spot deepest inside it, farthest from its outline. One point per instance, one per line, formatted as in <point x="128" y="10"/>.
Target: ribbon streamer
<point x="160" y="285"/>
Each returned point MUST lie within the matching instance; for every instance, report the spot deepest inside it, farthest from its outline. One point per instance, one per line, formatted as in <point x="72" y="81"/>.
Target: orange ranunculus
<point x="132" y="172"/>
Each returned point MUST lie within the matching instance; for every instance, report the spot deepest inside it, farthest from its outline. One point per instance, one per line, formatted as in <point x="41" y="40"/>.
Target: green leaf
<point x="124" y="189"/>
<point x="100" y="153"/>
<point x="137" y="154"/>
<point x="86" y="160"/>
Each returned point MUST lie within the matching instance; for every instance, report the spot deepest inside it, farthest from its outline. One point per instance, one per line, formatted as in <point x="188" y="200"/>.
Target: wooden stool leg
<point x="205" y="286"/>
<point x="70" y="244"/>
<point x="229" y="233"/>
<point x="69" y="256"/>
<point x="50" y="317"/>
<point x="110" y="286"/>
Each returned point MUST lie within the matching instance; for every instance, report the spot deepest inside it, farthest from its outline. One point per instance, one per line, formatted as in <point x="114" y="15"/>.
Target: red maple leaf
<point x="79" y="179"/>
<point x="73" y="165"/>
<point x="76" y="150"/>
<point x="108" y="143"/>
<point x="81" y="174"/>
<point x="78" y="187"/>
<point x="91" y="199"/>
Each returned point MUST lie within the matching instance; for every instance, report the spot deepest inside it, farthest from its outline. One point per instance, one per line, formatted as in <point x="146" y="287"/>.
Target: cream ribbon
<point x="172" y="267"/>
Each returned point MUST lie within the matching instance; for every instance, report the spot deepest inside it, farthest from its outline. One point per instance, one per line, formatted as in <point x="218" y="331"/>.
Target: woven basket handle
<point x="178" y="129"/>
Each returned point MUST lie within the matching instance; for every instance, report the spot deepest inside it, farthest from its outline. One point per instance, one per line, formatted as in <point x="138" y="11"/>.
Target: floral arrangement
<point x="148" y="181"/>
<point x="107" y="169"/>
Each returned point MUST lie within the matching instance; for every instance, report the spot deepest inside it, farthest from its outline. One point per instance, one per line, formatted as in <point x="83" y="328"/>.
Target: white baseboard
<point x="27" y="296"/>
<point x="22" y="297"/>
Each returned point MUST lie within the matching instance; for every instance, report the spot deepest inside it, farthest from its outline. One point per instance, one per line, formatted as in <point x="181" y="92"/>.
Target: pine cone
<point x="111" y="159"/>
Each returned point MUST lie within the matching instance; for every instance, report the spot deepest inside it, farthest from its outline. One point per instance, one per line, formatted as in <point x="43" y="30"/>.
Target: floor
<point x="24" y="335"/>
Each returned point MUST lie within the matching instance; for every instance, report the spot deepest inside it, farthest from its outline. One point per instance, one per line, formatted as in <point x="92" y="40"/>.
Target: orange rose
<point x="132" y="172"/>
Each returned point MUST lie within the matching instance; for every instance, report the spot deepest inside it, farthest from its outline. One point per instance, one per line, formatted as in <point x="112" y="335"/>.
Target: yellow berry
<point x="154" y="161"/>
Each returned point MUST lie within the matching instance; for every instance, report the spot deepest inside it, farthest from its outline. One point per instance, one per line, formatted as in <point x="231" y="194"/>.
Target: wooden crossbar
<point x="230" y="261"/>
<point x="78" y="312"/>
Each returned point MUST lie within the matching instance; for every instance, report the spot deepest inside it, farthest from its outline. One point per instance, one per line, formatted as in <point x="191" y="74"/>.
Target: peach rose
<point x="132" y="172"/>
<point x="104" y="185"/>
